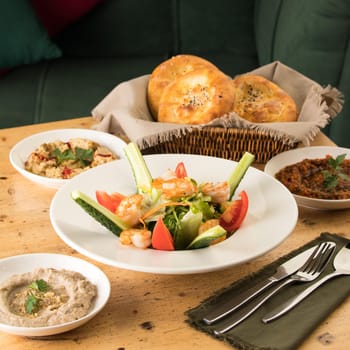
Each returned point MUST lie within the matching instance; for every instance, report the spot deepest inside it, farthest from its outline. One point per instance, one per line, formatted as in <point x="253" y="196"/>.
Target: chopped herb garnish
<point x="331" y="176"/>
<point x="335" y="163"/>
<point x="31" y="303"/>
<point x="330" y="180"/>
<point x="85" y="156"/>
<point x="39" y="285"/>
<point x="62" y="156"/>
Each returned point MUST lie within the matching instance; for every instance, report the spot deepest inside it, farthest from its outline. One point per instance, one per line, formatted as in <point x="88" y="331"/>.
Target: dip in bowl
<point x="314" y="154"/>
<point x="52" y="158"/>
<point x="71" y="292"/>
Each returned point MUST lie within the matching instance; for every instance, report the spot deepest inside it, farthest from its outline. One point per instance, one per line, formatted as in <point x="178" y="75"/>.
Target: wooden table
<point x="145" y="311"/>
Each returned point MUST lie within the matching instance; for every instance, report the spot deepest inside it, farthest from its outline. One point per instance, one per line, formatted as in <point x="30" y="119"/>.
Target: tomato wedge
<point x="161" y="237"/>
<point x="180" y="170"/>
<point x="233" y="216"/>
<point x="109" y="201"/>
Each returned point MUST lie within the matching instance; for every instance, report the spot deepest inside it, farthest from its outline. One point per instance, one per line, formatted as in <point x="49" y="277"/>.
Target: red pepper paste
<point x="309" y="178"/>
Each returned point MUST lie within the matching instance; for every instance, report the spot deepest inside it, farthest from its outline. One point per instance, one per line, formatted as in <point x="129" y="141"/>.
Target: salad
<point x="173" y="211"/>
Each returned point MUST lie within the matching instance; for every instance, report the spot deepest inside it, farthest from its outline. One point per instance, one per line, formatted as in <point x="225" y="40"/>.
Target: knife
<point x="222" y="309"/>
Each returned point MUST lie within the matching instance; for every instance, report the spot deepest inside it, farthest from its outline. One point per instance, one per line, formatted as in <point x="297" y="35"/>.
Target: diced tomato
<point x="109" y="201"/>
<point x="180" y="170"/>
<point x="234" y="214"/>
<point x="66" y="172"/>
<point x="161" y="237"/>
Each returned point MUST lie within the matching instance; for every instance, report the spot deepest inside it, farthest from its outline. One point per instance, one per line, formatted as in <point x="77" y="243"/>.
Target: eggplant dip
<point x="64" y="160"/>
<point x="45" y="297"/>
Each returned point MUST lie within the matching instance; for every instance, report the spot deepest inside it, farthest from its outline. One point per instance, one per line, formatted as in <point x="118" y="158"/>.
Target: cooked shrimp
<point x="130" y="209"/>
<point x="140" y="238"/>
<point x="175" y="187"/>
<point x="219" y="192"/>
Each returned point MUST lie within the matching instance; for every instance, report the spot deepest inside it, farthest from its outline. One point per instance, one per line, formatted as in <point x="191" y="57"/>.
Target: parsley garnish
<point x="62" y="156"/>
<point x="85" y="156"/>
<point x="32" y="301"/>
<point x="331" y="176"/>
<point x="39" y="285"/>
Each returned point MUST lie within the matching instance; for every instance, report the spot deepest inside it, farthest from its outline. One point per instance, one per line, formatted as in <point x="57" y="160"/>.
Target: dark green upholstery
<point x="123" y="28"/>
<point x="123" y="39"/>
<point x="312" y="37"/>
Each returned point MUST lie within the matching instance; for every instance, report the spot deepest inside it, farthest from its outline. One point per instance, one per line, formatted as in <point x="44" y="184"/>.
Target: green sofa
<point x="119" y="40"/>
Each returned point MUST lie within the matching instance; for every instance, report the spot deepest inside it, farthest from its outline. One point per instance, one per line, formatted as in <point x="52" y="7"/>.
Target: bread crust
<point x="197" y="97"/>
<point x="166" y="72"/>
<point x="259" y="100"/>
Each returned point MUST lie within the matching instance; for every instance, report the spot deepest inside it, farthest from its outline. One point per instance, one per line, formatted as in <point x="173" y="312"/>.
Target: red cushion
<point x="56" y="15"/>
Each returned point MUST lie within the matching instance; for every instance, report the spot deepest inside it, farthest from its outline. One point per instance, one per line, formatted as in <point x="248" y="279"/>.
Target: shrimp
<point x="219" y="192"/>
<point x="175" y="187"/>
<point x="130" y="209"/>
<point x="140" y="238"/>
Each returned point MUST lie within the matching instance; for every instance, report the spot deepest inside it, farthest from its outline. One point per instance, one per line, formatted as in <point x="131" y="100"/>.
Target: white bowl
<point x="267" y="223"/>
<point x="20" y="152"/>
<point x="296" y="155"/>
<point x="26" y="263"/>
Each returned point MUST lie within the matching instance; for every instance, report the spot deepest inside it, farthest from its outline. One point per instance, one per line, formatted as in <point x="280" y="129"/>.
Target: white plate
<point x="267" y="223"/>
<point x="26" y="263"/>
<point x="296" y="155"/>
<point x="20" y="152"/>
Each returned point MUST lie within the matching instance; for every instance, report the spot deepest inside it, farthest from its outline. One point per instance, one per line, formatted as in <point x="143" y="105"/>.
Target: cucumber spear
<point x="239" y="171"/>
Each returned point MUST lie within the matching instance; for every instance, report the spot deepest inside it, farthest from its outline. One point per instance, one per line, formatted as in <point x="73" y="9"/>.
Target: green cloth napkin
<point x="288" y="331"/>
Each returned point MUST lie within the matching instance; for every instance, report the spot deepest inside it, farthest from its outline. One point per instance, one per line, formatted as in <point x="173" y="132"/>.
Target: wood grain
<point x="145" y="311"/>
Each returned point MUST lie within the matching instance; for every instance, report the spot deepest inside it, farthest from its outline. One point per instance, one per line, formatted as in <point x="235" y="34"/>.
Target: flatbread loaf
<point x="166" y="72"/>
<point x="197" y="97"/>
<point x="259" y="100"/>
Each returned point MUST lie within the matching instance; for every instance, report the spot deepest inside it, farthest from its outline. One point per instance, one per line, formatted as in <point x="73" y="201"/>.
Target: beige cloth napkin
<point x="125" y="111"/>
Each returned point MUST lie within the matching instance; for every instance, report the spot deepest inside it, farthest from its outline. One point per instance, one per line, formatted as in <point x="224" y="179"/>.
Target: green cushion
<point x="121" y="28"/>
<point x="340" y="127"/>
<point x="224" y="30"/>
<point x="312" y="37"/>
<point x="314" y="44"/>
<point x="23" y="40"/>
<point x="64" y="88"/>
<point x="232" y="63"/>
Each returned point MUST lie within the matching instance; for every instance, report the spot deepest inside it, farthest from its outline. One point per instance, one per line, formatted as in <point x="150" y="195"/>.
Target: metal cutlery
<point x="341" y="265"/>
<point x="220" y="310"/>
<point x="311" y="269"/>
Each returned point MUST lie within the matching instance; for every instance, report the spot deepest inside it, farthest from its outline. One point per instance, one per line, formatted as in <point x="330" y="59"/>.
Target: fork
<point x="311" y="269"/>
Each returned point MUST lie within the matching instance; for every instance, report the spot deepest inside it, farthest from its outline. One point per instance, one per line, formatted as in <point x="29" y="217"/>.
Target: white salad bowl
<point x="266" y="225"/>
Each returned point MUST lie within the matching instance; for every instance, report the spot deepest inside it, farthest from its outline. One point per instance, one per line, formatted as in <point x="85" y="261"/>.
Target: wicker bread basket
<point x="228" y="143"/>
<point x="125" y="111"/>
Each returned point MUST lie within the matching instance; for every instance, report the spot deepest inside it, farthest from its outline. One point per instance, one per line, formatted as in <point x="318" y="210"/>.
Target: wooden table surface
<point x="145" y="311"/>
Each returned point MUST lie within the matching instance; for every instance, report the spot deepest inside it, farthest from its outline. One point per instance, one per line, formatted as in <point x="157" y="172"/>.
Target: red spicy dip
<point x="317" y="178"/>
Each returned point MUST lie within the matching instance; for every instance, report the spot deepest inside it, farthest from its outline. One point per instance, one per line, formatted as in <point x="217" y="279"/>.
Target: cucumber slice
<point x="99" y="213"/>
<point x="204" y="239"/>
<point x="142" y="175"/>
<point x="239" y="171"/>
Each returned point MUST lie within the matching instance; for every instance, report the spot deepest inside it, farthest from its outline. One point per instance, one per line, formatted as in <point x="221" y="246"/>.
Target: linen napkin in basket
<point x="288" y="331"/>
<point x="124" y="111"/>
